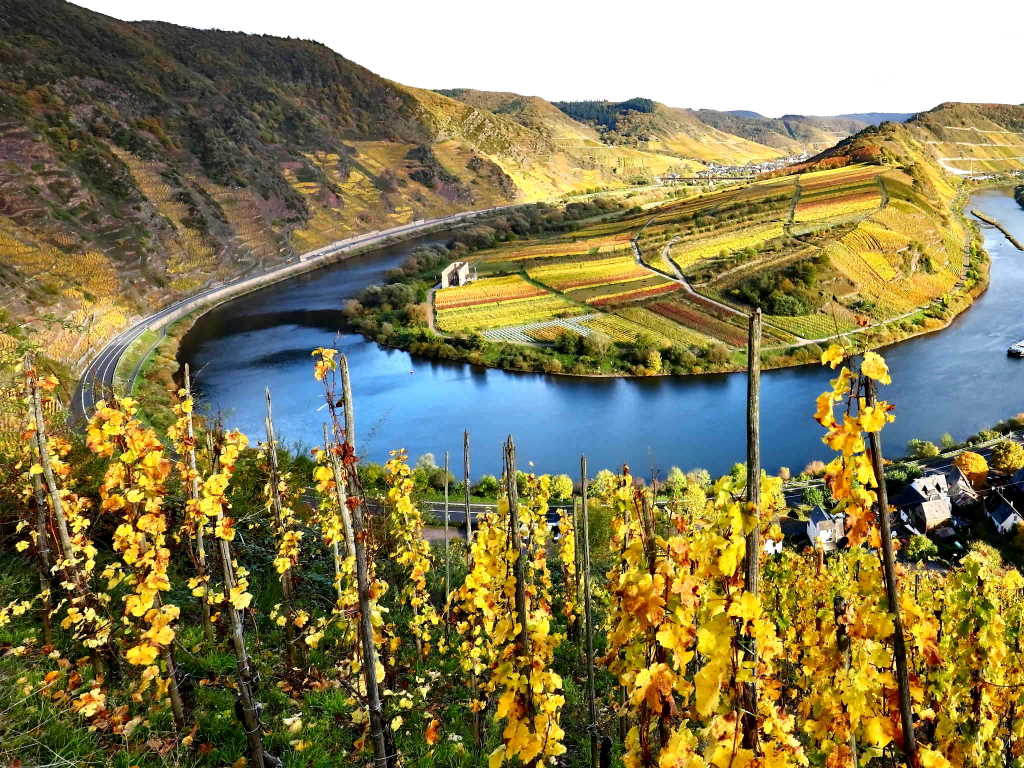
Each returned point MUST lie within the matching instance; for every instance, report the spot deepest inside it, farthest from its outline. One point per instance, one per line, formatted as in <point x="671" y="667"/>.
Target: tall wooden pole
<point x="379" y="729"/>
<point x="519" y="567"/>
<point x="42" y="446"/>
<point x="447" y="561"/>
<point x="246" y="679"/>
<point x="43" y="558"/>
<point x="293" y="650"/>
<point x="753" y="497"/>
<point x="465" y="482"/>
<point x="753" y="571"/>
<point x="588" y="616"/>
<point x="892" y="595"/>
<point x="193" y="491"/>
<point x="839" y="606"/>
<point x="350" y="408"/>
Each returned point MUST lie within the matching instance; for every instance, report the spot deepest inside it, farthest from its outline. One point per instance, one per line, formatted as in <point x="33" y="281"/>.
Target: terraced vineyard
<point x="500" y="301"/>
<point x="882" y="250"/>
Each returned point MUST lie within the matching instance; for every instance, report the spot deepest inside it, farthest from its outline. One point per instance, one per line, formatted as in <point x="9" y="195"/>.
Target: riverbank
<point x="402" y="322"/>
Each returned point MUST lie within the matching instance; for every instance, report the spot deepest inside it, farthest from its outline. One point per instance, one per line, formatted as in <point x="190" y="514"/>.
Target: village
<point x="969" y="495"/>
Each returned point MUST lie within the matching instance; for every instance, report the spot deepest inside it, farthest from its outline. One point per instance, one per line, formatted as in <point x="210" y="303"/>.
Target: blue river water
<point x="958" y="380"/>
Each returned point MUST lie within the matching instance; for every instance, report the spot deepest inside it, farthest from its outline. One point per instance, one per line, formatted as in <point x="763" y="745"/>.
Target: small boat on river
<point x="1016" y="350"/>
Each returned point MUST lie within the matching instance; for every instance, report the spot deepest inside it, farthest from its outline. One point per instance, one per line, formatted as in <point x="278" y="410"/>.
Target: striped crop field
<point x="663" y="326"/>
<point x="697" y="318"/>
<point x="478" y="317"/>
<point x="816" y="326"/>
<point x="575" y="275"/>
<point x="833" y="206"/>
<point x="618" y="328"/>
<point x="630" y="292"/>
<point x="525" y="251"/>
<point x="488" y="290"/>
<point x="689" y="252"/>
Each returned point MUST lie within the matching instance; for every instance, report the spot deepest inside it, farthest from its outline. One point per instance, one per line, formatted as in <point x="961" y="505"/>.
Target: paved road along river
<point x="958" y="380"/>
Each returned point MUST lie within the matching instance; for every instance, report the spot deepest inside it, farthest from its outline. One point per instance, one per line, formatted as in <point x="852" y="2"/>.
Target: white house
<point x="457" y="273"/>
<point x="1005" y="516"/>
<point x="927" y="499"/>
<point x="825" y="530"/>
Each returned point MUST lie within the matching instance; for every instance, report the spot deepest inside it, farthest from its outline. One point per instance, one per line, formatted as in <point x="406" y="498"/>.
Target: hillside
<point x="656" y="127"/>
<point x="865" y="241"/>
<point x="790" y="133"/>
<point x="141" y="161"/>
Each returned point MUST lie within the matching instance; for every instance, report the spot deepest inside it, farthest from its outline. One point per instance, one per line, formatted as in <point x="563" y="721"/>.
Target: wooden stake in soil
<point x="447" y="561"/>
<point x="293" y="649"/>
<point x="465" y="482"/>
<point x="380" y="731"/>
<point x="193" y="493"/>
<point x="899" y="646"/>
<point x="753" y="555"/>
<point x="42" y="446"/>
<point x="248" y="708"/>
<point x="588" y="615"/>
<point x="519" y="568"/>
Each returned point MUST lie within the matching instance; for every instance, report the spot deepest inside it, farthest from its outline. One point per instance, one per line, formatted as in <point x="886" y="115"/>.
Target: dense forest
<point x="604" y="113"/>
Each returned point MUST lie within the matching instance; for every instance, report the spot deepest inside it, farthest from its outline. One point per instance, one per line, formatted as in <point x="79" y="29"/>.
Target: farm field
<point x="495" y="302"/>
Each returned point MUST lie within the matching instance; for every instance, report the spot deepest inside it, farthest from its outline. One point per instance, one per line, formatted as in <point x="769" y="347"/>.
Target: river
<point x="958" y="380"/>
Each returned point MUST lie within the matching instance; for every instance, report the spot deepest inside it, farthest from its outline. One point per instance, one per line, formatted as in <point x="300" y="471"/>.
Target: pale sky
<point x="787" y="56"/>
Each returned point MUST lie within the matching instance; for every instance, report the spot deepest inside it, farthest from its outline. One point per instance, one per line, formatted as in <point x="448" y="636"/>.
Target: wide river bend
<point x="958" y="380"/>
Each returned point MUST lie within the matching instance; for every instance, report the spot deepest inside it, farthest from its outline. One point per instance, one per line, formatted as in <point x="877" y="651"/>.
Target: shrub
<point x="1007" y="457"/>
<point x="922" y="449"/>
<point x="920" y="548"/>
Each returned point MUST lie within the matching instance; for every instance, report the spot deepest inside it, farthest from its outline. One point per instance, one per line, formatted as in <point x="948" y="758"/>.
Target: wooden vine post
<point x="753" y="499"/>
<point x="519" y="566"/>
<point x="248" y="707"/>
<point x="588" y="616"/>
<point x="293" y="649"/>
<point x="202" y="570"/>
<point x="44" y="559"/>
<point x="42" y="447"/>
<point x="447" y="561"/>
<point x="379" y="728"/>
<point x="465" y="483"/>
<point x="891" y="592"/>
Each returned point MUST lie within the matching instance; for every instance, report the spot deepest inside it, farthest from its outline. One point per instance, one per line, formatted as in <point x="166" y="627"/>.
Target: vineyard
<point x="494" y="302"/>
<point x="217" y="602"/>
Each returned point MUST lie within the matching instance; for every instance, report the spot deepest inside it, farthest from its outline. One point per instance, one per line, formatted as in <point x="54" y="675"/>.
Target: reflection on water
<point x="957" y="381"/>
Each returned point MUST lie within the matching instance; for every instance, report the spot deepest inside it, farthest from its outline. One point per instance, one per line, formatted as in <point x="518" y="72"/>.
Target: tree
<point x="947" y="441"/>
<point x="974" y="467"/>
<point x="922" y="449"/>
<point x="920" y="548"/>
<point x="488" y="486"/>
<point x="561" y="487"/>
<point x="1007" y="457"/>
<point x="675" y="480"/>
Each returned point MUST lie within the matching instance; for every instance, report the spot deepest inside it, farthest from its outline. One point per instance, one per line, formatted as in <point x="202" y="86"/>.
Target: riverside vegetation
<point x="212" y="602"/>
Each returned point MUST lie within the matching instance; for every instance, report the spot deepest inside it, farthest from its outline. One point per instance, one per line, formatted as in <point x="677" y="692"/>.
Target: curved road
<point x="97" y="379"/>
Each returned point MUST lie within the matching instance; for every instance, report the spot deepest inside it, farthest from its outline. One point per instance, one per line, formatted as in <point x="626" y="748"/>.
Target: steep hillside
<point x="655" y="127"/>
<point x="790" y="134"/>
<point x="140" y="161"/>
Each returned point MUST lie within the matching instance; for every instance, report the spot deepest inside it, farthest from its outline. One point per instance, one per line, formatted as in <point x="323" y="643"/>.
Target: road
<point x="97" y="379"/>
